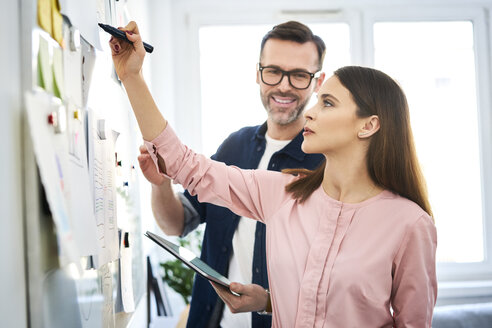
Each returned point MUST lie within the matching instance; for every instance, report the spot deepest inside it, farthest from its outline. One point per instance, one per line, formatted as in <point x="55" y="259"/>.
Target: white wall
<point x="13" y="312"/>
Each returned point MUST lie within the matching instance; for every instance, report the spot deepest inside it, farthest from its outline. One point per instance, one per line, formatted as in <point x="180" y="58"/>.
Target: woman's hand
<point x="128" y="57"/>
<point x="252" y="297"/>
<point x="148" y="167"/>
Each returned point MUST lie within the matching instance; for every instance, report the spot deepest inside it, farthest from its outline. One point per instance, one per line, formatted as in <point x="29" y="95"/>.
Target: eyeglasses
<point x="298" y="79"/>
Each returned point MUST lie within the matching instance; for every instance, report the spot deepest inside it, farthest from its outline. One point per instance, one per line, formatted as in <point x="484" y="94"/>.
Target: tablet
<point x="190" y="259"/>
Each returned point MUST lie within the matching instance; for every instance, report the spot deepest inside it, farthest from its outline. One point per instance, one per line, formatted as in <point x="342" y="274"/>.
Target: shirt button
<point x="224" y="249"/>
<point x="209" y="308"/>
<point x="258" y="148"/>
<point x="257" y="270"/>
<point x="273" y="165"/>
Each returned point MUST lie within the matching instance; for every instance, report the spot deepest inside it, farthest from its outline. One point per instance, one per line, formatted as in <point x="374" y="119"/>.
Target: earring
<point x="361" y="134"/>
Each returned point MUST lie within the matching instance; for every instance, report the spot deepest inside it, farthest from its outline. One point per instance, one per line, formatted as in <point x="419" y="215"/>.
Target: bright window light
<point x="434" y="63"/>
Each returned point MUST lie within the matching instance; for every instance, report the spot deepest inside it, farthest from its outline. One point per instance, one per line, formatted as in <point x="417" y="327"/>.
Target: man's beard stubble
<point x="293" y="115"/>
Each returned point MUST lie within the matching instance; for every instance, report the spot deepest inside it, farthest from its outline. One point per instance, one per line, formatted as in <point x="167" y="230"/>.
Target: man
<point x="290" y="59"/>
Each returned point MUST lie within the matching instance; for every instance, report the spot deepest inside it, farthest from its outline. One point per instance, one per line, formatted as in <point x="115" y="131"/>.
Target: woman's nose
<point x="308" y="114"/>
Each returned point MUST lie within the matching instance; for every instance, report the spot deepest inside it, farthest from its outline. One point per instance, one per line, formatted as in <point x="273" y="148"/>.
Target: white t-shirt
<point x="243" y="243"/>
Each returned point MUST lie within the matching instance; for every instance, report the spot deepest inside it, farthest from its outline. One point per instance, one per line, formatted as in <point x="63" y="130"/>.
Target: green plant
<point x="177" y="275"/>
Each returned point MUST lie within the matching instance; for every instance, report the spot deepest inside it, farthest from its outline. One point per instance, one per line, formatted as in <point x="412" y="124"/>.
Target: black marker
<point x="122" y="35"/>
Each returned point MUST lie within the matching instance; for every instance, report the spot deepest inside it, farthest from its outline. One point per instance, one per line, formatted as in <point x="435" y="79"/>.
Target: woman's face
<point x="331" y="124"/>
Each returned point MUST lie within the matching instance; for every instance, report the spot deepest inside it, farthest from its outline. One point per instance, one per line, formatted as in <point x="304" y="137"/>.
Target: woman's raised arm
<point x="128" y="59"/>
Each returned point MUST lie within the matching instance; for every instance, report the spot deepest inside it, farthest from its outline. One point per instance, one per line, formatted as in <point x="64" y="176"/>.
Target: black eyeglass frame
<point x="312" y="76"/>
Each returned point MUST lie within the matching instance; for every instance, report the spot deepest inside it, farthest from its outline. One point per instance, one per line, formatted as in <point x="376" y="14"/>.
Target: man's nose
<point x="284" y="83"/>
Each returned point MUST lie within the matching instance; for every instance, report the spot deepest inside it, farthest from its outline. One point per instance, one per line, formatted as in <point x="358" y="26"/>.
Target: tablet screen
<point x="190" y="259"/>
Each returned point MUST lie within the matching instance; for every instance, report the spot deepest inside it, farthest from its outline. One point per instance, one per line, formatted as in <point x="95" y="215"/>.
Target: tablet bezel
<point x="168" y="246"/>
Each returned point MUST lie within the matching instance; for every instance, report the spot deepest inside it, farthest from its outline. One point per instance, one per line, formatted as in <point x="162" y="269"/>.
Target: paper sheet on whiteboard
<point x="83" y="15"/>
<point x="62" y="163"/>
<point x="102" y="173"/>
<point x="49" y="149"/>
<point x="80" y="194"/>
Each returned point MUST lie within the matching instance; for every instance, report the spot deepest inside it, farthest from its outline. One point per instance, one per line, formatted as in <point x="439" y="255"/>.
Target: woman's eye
<point x="327" y="103"/>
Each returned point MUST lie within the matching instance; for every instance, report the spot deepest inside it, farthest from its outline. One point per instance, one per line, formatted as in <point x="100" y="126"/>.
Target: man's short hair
<point x="297" y="32"/>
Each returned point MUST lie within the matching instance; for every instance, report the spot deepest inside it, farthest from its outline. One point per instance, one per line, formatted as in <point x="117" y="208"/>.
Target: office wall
<point x="12" y="275"/>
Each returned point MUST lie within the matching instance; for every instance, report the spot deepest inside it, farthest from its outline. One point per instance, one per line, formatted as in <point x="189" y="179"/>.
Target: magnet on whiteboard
<point x="61" y="112"/>
<point x="53" y="119"/>
<point x="101" y="129"/>
<point x="57" y="118"/>
<point x="74" y="39"/>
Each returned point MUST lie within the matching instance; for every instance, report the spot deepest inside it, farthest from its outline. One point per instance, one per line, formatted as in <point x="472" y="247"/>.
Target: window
<point x="230" y="95"/>
<point x="435" y="64"/>
<point x="438" y="52"/>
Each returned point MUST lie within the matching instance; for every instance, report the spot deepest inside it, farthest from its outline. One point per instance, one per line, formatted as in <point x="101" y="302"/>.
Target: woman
<point x="351" y="244"/>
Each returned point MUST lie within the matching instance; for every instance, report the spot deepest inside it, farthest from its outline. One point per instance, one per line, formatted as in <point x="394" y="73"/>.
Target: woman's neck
<point x="348" y="180"/>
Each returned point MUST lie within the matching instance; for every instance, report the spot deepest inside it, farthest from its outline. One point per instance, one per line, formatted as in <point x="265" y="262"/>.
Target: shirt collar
<point x="293" y="148"/>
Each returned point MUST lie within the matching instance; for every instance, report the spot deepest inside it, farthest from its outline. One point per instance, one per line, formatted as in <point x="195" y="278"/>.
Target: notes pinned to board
<point x="57" y="23"/>
<point x="80" y="194"/>
<point x="59" y="146"/>
<point x="45" y="75"/>
<point x="50" y="19"/>
<point x="44" y="15"/>
<point x="49" y="149"/>
<point x="50" y="67"/>
<point x="102" y="176"/>
<point x="58" y="80"/>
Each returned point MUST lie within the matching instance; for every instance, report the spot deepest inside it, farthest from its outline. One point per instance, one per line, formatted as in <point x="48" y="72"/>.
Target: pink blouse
<point x="330" y="264"/>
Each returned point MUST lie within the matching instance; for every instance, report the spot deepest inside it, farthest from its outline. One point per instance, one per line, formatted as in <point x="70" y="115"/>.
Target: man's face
<point x="283" y="103"/>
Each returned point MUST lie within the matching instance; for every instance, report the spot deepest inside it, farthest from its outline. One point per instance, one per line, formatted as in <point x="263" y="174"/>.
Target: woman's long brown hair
<point x="391" y="158"/>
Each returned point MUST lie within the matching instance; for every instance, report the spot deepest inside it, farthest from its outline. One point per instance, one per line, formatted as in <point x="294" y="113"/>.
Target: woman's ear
<point x="370" y="127"/>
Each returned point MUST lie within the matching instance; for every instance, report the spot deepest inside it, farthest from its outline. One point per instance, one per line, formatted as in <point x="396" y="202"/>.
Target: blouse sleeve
<point x="251" y="193"/>
<point x="414" y="288"/>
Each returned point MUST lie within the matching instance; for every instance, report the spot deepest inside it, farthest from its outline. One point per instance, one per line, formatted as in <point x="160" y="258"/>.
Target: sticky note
<point x="58" y="81"/>
<point x="45" y="74"/>
<point x="44" y="15"/>
<point x="57" y="23"/>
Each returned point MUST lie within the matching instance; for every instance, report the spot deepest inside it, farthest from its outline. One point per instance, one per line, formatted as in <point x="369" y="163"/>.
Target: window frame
<point x="458" y="280"/>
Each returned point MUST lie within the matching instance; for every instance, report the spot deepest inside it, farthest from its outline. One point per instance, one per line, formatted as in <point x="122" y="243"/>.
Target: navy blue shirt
<point x="244" y="149"/>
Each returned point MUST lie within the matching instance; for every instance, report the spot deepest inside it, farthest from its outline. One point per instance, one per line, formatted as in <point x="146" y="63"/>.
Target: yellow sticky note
<point x="44" y="15"/>
<point x="57" y="22"/>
